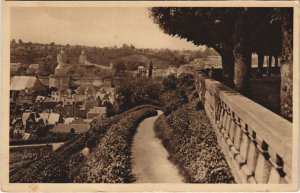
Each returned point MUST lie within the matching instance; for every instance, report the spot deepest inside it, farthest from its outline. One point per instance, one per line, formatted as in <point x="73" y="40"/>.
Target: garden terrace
<point x="256" y="142"/>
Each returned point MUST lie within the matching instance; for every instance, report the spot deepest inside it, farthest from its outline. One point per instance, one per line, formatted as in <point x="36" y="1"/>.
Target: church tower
<point x="60" y="80"/>
<point x="82" y="58"/>
<point x="61" y="60"/>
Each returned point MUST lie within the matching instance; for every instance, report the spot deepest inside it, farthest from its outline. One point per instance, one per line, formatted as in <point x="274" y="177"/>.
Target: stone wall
<point x="256" y="142"/>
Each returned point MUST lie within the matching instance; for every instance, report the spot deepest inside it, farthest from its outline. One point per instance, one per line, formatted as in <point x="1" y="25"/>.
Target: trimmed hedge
<point x="61" y="165"/>
<point x="110" y="162"/>
<point x="191" y="142"/>
<point x="51" y="138"/>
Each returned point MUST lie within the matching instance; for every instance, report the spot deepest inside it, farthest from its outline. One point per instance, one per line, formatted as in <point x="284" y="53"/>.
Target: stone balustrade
<point x="256" y="142"/>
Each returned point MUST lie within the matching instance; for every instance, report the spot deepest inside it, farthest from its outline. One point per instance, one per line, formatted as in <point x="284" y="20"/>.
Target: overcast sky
<point x="103" y="27"/>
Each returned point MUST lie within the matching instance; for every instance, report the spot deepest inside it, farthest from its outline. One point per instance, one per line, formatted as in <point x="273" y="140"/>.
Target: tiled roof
<point x="98" y="110"/>
<point x="25" y="82"/>
<point x="50" y="118"/>
<point x="25" y="116"/>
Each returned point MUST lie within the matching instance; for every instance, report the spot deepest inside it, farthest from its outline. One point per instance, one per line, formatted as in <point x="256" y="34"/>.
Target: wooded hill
<point x="28" y="52"/>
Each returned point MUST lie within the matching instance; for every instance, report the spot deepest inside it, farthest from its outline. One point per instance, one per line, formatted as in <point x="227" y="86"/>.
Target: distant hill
<point x="28" y="52"/>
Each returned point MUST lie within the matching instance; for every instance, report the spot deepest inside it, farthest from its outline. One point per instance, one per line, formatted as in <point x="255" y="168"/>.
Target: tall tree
<point x="285" y="17"/>
<point x="233" y="32"/>
<point x="242" y="52"/>
<point x="212" y="27"/>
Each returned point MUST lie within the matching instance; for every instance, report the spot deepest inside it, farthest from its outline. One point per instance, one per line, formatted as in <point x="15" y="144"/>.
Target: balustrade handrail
<point x="268" y="126"/>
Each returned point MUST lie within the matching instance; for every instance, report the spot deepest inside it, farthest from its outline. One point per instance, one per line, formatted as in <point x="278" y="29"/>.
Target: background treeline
<point x="29" y="52"/>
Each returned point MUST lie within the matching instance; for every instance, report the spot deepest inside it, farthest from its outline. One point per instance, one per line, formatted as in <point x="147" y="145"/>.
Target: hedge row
<point x="110" y="162"/>
<point x="51" y="138"/>
<point x="191" y="142"/>
<point x="61" y="165"/>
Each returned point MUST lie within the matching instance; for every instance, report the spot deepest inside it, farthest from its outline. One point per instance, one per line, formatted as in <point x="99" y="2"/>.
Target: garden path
<point x="150" y="162"/>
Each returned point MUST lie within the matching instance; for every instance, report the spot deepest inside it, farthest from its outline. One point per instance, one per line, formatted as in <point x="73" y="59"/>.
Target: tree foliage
<point x="235" y="33"/>
<point x="137" y="91"/>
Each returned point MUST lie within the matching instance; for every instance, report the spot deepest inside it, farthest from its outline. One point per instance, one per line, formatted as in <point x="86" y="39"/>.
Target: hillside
<point x="28" y="52"/>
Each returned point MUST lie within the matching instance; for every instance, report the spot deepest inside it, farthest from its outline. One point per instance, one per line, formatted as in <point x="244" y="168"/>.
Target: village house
<point x="15" y="68"/>
<point x="96" y="111"/>
<point x="28" y="124"/>
<point x="33" y="124"/>
<point x="24" y="89"/>
<point x="70" y="106"/>
<point x="141" y="71"/>
<point x="56" y="96"/>
<point x="49" y="103"/>
<point x="33" y="69"/>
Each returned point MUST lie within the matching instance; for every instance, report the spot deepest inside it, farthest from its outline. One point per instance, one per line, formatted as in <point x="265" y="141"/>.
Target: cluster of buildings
<point x="31" y="112"/>
<point x="63" y="100"/>
<point x="37" y="107"/>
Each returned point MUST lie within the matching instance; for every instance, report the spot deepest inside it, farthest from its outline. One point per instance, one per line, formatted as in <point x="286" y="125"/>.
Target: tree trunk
<point x="242" y="54"/>
<point x="286" y="65"/>
<point x="260" y="64"/>
<point x="228" y="67"/>
<point x="276" y="61"/>
<point x="269" y="69"/>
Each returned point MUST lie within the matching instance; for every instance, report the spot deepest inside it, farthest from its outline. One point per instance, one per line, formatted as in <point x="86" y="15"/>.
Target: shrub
<point x="110" y="162"/>
<point x="190" y="139"/>
<point x="170" y="82"/>
<point x="63" y="164"/>
<point x="172" y="99"/>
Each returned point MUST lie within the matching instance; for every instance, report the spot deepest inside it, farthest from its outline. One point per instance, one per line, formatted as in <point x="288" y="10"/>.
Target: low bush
<point x="192" y="144"/>
<point x="110" y="162"/>
<point x="60" y="166"/>
<point x="172" y="99"/>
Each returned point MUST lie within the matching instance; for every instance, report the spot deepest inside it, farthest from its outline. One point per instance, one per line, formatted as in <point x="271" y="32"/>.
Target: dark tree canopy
<point x="202" y="26"/>
<point x="214" y="27"/>
<point x="235" y="33"/>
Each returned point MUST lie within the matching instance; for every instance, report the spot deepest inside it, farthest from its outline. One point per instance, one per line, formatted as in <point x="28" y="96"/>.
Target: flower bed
<point x="61" y="165"/>
<point x="110" y="162"/>
<point x="189" y="137"/>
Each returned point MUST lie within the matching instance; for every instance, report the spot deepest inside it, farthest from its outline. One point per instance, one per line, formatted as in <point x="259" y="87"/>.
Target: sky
<point x="102" y="27"/>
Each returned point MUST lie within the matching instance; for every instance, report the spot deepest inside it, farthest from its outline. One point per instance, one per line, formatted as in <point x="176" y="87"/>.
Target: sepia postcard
<point x="149" y="96"/>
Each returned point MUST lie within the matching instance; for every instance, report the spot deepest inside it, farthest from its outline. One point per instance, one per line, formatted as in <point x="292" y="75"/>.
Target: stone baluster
<point x="228" y="123"/>
<point x="277" y="173"/>
<point x="263" y="166"/>
<point x="224" y="119"/>
<point x="238" y="133"/>
<point x="217" y="109"/>
<point x="222" y="113"/>
<point x="244" y="145"/>
<point x="251" y="148"/>
<point x="230" y="135"/>
<point x="232" y="127"/>
<point x="251" y="156"/>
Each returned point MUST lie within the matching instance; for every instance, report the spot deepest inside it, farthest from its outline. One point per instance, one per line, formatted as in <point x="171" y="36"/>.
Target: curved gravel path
<point x="150" y="162"/>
